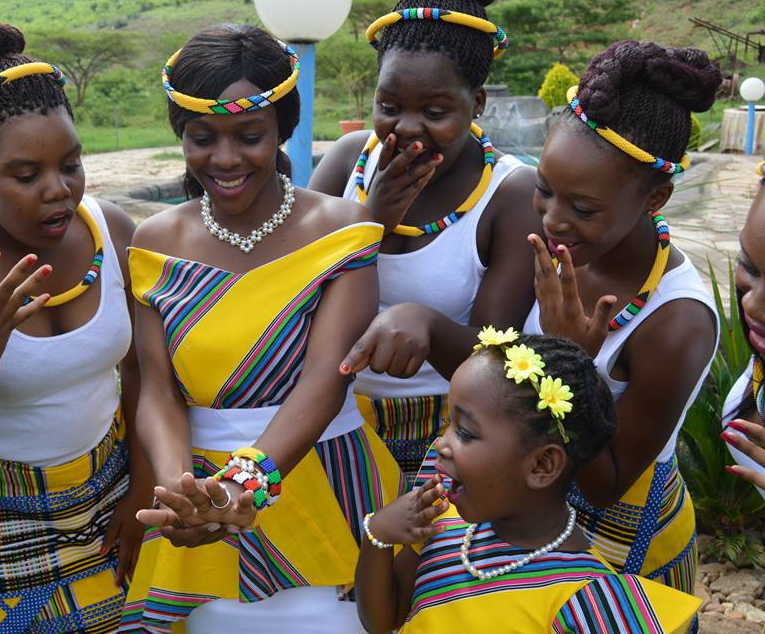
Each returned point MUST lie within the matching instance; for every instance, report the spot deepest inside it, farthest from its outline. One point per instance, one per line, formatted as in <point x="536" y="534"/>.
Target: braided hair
<point x="592" y="420"/>
<point x="34" y="93"/>
<point x="222" y="55"/>
<point x="469" y="48"/>
<point x="646" y="93"/>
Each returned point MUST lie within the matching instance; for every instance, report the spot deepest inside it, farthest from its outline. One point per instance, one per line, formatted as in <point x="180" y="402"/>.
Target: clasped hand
<point x="200" y="511"/>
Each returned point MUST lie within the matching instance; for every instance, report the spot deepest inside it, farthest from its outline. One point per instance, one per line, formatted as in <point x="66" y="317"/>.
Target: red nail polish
<point x="31" y="259"/>
<point x="736" y="425"/>
<point x="728" y="437"/>
<point x="344" y="367"/>
<point x="46" y="271"/>
<point x="416" y="146"/>
<point x="732" y="469"/>
<point x="438" y="157"/>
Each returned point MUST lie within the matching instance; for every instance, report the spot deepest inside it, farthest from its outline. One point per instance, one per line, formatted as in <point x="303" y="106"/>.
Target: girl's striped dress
<point x="237" y="342"/>
<point x="562" y="592"/>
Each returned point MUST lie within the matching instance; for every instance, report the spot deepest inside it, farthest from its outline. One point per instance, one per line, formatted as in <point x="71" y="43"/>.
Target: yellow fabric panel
<point x="673" y="539"/>
<point x="674" y="609"/>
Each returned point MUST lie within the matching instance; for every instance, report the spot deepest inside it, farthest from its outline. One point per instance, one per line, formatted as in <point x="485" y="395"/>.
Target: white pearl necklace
<point x="502" y="570"/>
<point x="248" y="243"/>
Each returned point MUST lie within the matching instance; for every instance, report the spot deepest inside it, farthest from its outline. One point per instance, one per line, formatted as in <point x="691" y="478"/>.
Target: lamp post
<point x="302" y="23"/>
<point x="752" y="89"/>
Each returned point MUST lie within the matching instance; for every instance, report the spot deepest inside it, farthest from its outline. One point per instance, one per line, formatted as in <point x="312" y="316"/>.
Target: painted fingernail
<point x="213" y="527"/>
<point x="345" y="368"/>
<point x="733" y="469"/>
<point x="734" y="424"/>
<point x="438" y="157"/>
<point x="728" y="437"/>
<point x="416" y="146"/>
<point x="46" y="271"/>
<point x="390" y="139"/>
<point x="31" y="259"/>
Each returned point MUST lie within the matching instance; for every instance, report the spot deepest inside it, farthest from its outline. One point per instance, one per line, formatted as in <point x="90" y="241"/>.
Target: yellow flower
<point x="523" y="363"/>
<point x="553" y="394"/>
<point x="491" y="337"/>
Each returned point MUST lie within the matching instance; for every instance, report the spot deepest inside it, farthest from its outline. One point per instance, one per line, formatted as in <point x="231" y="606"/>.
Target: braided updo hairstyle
<point x="592" y="420"/>
<point x="471" y="49"/>
<point x="646" y="93"/>
<point x="219" y="56"/>
<point x="35" y="93"/>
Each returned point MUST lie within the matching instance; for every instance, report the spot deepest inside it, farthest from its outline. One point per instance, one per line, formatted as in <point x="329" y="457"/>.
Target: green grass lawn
<point x="97" y="139"/>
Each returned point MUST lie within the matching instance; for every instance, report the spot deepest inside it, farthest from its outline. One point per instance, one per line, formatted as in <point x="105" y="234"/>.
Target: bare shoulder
<point x="348" y="147"/>
<point x="121" y="226"/>
<point x="165" y="229"/>
<point x="331" y="213"/>
<point x="334" y="169"/>
<point x="512" y="204"/>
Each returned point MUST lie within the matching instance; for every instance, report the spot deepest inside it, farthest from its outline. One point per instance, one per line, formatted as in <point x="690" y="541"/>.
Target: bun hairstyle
<point x="217" y="57"/>
<point x="34" y="93"/>
<point x="646" y="93"/>
<point x="592" y="420"/>
<point x="469" y="48"/>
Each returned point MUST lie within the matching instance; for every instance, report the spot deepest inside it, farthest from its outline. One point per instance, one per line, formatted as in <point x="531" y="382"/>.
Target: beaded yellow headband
<point x="623" y="144"/>
<point x="231" y="106"/>
<point x="32" y="68"/>
<point x="455" y="17"/>
<point x="760" y="169"/>
<point x="523" y="364"/>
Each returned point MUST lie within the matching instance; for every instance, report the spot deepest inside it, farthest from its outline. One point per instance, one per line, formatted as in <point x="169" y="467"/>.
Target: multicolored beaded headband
<point x="32" y="68"/>
<point x="760" y="169"/>
<point x="231" y="106"/>
<point x="623" y="144"/>
<point x="523" y="364"/>
<point x="455" y="17"/>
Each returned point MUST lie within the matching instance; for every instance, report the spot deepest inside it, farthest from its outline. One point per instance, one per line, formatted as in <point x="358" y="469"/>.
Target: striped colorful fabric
<point x="186" y="293"/>
<point x="650" y="531"/>
<point x="565" y="592"/>
<point x="610" y="605"/>
<point x="52" y="522"/>
<point x="408" y="426"/>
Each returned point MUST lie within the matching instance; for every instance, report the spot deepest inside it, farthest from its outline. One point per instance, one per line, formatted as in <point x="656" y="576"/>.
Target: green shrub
<point x="557" y="82"/>
<point x="695" y="139"/>
<point x="726" y="506"/>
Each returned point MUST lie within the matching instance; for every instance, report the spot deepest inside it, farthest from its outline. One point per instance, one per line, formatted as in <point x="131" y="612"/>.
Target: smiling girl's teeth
<point x="230" y="184"/>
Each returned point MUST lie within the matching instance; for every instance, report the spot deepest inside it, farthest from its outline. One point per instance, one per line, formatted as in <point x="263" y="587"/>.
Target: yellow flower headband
<point x="455" y="17"/>
<point x="32" y="68"/>
<point x="231" y="106"/>
<point x="523" y="364"/>
<point x="623" y="144"/>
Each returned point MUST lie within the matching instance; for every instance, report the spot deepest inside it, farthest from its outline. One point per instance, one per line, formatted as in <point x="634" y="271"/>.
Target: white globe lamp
<point x="302" y="23"/>
<point x="752" y="89"/>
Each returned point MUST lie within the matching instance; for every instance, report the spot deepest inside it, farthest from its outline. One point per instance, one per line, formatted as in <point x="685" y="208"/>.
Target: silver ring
<point x="228" y="498"/>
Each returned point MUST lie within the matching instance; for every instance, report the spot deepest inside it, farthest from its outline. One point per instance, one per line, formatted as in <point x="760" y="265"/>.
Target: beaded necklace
<point x="654" y="277"/>
<point x="758" y="386"/>
<point x="454" y="216"/>
<point x="93" y="271"/>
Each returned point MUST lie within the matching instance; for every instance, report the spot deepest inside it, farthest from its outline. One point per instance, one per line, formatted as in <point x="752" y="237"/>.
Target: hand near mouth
<point x="750" y="442"/>
<point x="560" y="308"/>
<point x="398" y="181"/>
<point x="409" y="519"/>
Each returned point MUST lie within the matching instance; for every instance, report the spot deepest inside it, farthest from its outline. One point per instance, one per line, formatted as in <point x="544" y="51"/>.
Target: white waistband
<point x="228" y="429"/>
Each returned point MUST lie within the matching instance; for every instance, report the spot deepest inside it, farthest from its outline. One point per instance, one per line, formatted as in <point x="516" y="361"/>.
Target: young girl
<point x="456" y="214"/>
<point x="603" y="177"/>
<point x="249" y="295"/>
<point x="504" y="553"/>
<point x="68" y="535"/>
<point x="744" y="409"/>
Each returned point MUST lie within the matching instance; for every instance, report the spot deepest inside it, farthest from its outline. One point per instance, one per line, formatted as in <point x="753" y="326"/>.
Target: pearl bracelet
<point x="375" y="542"/>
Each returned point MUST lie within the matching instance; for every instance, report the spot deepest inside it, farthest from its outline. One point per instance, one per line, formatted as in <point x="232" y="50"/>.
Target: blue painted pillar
<point x="300" y="146"/>
<point x="749" y="130"/>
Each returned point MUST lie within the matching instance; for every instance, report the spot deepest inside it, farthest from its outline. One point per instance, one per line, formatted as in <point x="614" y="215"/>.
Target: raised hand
<point x="409" y="519"/>
<point x="20" y="283"/>
<point x="201" y="502"/>
<point x="751" y="443"/>
<point x="560" y="308"/>
<point x="397" y="342"/>
<point x="398" y="181"/>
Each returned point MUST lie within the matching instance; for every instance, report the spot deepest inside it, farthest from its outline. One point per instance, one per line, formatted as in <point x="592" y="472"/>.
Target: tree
<point x="566" y="31"/>
<point x="364" y="12"/>
<point x="353" y="67"/>
<point x="83" y="55"/>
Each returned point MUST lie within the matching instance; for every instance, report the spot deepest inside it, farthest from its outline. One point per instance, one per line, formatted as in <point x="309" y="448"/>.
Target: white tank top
<point x="682" y="282"/>
<point x="444" y="275"/>
<point x="58" y="394"/>
<point x="732" y="402"/>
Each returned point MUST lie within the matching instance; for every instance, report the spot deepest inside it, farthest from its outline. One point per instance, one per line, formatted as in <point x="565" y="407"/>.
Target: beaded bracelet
<point x="256" y="472"/>
<point x="375" y="542"/>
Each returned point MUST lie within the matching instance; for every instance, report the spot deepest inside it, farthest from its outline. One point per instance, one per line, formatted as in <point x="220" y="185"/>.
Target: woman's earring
<point x="477" y="115"/>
